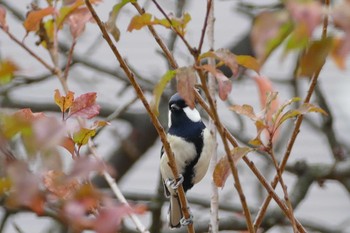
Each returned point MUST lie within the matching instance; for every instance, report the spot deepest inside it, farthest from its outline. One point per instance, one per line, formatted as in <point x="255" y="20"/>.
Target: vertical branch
<point x="154" y="119"/>
<point x="224" y="134"/>
<point x="214" y="199"/>
<point x="295" y="133"/>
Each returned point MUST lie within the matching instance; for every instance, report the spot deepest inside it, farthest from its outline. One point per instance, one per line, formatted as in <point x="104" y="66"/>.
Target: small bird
<point x="192" y="144"/>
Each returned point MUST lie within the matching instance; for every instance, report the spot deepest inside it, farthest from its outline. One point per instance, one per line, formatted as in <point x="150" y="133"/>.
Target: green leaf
<point x="179" y="24"/>
<point x="113" y="15"/>
<point x="83" y="135"/>
<point x="159" y="89"/>
<point x="283" y="33"/>
<point x="283" y="106"/>
<point x="298" y="39"/>
<point x="314" y="56"/>
<point x="307" y="108"/>
<point x="303" y="109"/>
<point x="248" y="62"/>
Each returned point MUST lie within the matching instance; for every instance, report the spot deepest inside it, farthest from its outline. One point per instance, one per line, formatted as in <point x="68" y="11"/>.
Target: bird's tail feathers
<point x="175" y="213"/>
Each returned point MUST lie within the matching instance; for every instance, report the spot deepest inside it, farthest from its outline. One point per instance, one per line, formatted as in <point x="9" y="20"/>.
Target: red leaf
<point x="77" y="21"/>
<point x="3" y="23"/>
<point x="225" y="85"/>
<point x="69" y="144"/>
<point x="186" y="79"/>
<point x="85" y="106"/>
<point x="34" y="18"/>
<point x="58" y="184"/>
<point x="27" y="115"/>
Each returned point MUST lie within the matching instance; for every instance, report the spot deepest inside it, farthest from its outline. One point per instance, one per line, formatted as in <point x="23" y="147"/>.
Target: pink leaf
<point x="341" y="16"/>
<point x="265" y="87"/>
<point x="83" y="166"/>
<point x="3" y="23"/>
<point x="308" y="13"/>
<point x="267" y="32"/>
<point x="186" y="79"/>
<point x="229" y="59"/>
<point x="225" y="85"/>
<point x="85" y="106"/>
<point x="77" y="21"/>
<point x="109" y="219"/>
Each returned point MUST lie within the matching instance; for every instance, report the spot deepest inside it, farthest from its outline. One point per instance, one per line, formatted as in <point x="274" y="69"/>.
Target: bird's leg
<point x="187" y="221"/>
<point x="174" y="183"/>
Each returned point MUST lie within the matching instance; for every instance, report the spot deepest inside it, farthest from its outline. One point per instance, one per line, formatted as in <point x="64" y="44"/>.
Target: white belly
<point x="184" y="153"/>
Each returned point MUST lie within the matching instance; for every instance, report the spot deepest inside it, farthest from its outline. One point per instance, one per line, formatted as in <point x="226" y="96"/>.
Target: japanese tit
<point x="192" y="144"/>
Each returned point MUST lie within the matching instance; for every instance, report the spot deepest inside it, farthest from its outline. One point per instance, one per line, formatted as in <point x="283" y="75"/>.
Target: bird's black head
<point x="180" y="114"/>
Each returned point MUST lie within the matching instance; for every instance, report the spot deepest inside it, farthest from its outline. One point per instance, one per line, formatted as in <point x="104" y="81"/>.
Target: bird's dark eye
<point x="174" y="107"/>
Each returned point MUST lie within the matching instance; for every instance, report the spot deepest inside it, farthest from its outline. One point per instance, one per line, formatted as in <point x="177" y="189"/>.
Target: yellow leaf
<point x="248" y="62"/>
<point x="64" y="102"/>
<point x="139" y="21"/>
<point x="83" y="135"/>
<point x="7" y="69"/>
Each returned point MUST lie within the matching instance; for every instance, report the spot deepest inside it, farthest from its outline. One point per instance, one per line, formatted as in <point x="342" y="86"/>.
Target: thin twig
<point x="214" y="199"/>
<point x="160" y="42"/>
<point x="69" y="60"/>
<point x="284" y="187"/>
<point x="193" y="51"/>
<point x="154" y="119"/>
<point x="295" y="133"/>
<point x="205" y="24"/>
<point x="52" y="69"/>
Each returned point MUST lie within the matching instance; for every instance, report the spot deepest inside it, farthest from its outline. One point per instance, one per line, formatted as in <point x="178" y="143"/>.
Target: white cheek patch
<point x="169" y="119"/>
<point x="192" y="114"/>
